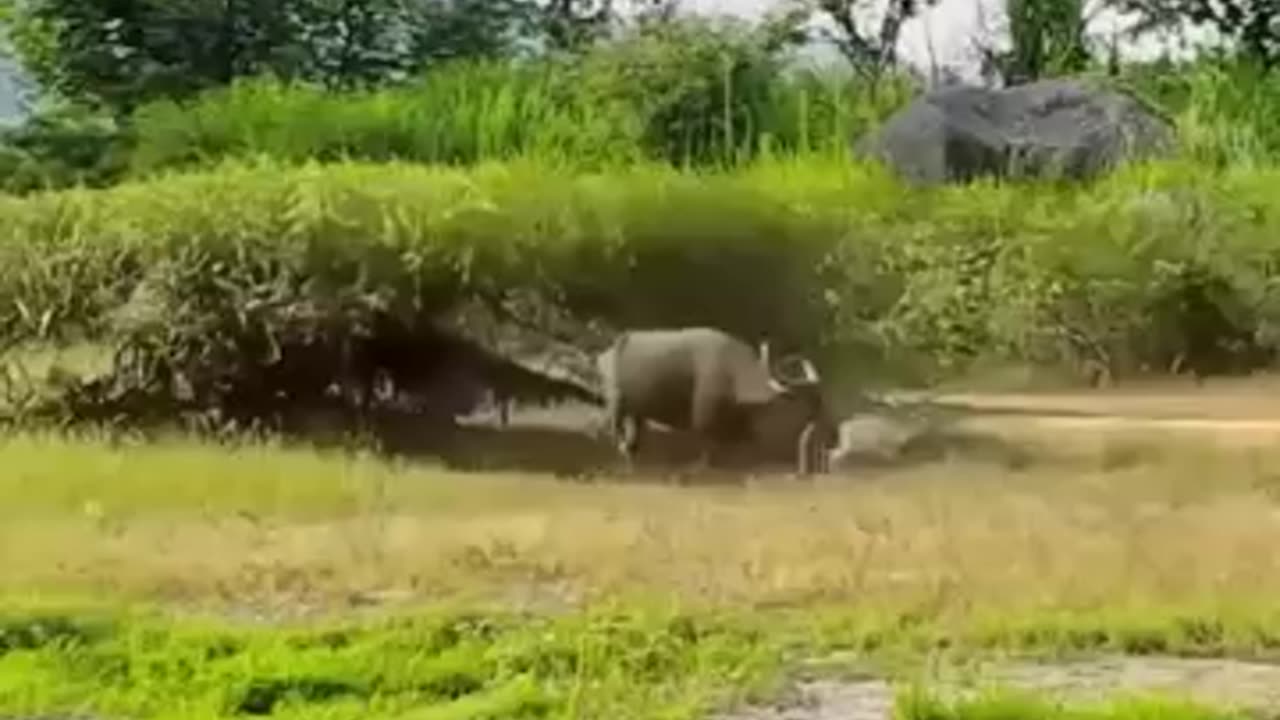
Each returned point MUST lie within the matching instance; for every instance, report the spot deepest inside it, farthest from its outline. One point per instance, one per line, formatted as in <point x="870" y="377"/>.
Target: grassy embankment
<point x="537" y="599"/>
<point x="834" y="258"/>
<point x="597" y="601"/>
<point x="516" y="596"/>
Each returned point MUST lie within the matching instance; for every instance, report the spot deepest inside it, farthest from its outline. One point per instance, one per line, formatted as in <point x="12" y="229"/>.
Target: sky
<point x="9" y="106"/>
<point x="953" y="24"/>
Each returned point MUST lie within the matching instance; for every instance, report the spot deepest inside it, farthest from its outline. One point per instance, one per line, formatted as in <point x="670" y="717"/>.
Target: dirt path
<point x="1225" y="684"/>
<point x="1250" y="406"/>
<point x="1236" y="413"/>
<point x="1255" y="399"/>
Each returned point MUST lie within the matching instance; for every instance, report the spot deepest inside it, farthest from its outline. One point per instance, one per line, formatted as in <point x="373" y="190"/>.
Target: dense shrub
<point x="465" y="113"/>
<point x="222" y="270"/>
<point x="686" y="97"/>
<point x="1156" y="264"/>
<point x="1224" y="110"/>
<point x="62" y="146"/>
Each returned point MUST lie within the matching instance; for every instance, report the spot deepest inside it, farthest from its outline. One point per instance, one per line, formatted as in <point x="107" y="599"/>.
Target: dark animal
<point x="705" y="380"/>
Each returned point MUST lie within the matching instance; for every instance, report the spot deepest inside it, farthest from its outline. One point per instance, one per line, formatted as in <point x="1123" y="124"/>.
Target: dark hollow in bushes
<point x="1204" y="327"/>
<point x="213" y="351"/>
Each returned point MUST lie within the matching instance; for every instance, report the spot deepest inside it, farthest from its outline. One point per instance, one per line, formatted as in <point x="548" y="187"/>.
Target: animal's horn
<point x="810" y="372"/>
<point x="766" y="363"/>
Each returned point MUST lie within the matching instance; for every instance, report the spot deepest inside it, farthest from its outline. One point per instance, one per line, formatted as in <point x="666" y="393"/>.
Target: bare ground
<point x="1231" y="399"/>
<point x="1226" y="413"/>
<point x="1232" y="414"/>
<point x="1227" y="684"/>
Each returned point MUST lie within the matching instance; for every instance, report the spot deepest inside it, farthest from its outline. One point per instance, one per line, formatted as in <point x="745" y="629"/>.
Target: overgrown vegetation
<point x="685" y="112"/>
<point x="688" y="109"/>
<point x="285" y="196"/>
<point x="203" y="278"/>
<point x="485" y="602"/>
<point x="456" y="665"/>
<point x="680" y="90"/>
<point x="448" y="665"/>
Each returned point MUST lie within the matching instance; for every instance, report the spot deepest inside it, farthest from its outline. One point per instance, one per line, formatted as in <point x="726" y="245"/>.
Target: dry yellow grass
<point x="1116" y="525"/>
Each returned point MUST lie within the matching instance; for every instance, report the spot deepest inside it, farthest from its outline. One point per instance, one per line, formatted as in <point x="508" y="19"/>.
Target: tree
<point x="345" y="44"/>
<point x="783" y="27"/>
<point x="1254" y="25"/>
<point x="689" y="89"/>
<point x="570" y="25"/>
<point x="655" y="11"/>
<point x="1048" y="38"/>
<point x="121" y="53"/>
<point x="1038" y="38"/>
<point x="450" y="29"/>
<point x="870" y="52"/>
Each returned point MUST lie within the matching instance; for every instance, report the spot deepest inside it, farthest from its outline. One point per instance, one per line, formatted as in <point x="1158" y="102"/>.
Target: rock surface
<point x="1061" y="128"/>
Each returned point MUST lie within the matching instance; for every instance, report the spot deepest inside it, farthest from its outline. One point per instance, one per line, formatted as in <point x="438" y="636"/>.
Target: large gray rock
<point x="1048" y="129"/>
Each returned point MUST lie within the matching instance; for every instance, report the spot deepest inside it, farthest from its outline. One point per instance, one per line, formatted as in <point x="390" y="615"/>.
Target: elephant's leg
<point x="503" y="405"/>
<point x="614" y="425"/>
<point x="709" y="455"/>
<point x="707" y="423"/>
<point x="726" y="442"/>
<point x="630" y="430"/>
<point x="809" y="451"/>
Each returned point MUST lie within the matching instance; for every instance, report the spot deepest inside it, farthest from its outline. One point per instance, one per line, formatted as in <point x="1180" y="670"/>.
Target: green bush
<point x="687" y="96"/>
<point x="221" y="269"/>
<point x="464" y="113"/>
<point x="1224" y="110"/>
<point x="60" y="147"/>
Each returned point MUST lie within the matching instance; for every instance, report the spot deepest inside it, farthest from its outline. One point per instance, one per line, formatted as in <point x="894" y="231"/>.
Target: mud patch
<point x="1226" y="684"/>
<point x="827" y="700"/>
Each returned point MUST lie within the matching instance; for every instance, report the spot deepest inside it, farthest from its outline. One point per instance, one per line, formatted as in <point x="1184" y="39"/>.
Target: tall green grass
<point x="451" y="665"/>
<point x="1224" y="112"/>
<point x="604" y="113"/>
<point x="448" y="666"/>
<point x="465" y="113"/>
<point x="701" y="100"/>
